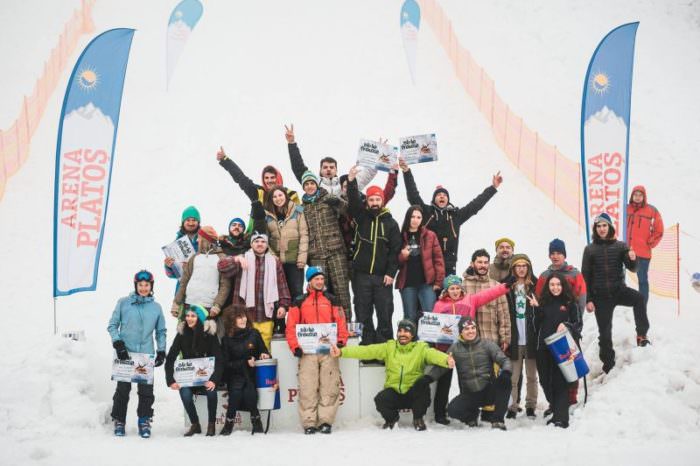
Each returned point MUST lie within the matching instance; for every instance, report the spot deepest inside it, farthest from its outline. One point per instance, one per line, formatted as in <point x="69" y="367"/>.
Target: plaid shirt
<point x="232" y="269"/>
<point x="493" y="318"/>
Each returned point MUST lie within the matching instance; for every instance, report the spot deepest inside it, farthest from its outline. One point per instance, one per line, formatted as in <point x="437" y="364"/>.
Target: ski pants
<point x="121" y="400"/>
<point x="604" y="307"/>
<point x="442" y="394"/>
<point x="465" y="406"/>
<point x="319" y="389"/>
<point x="371" y="294"/>
<point x="389" y="401"/>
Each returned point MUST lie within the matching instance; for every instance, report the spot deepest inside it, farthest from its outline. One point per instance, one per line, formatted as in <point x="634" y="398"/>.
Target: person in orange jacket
<point x="645" y="228"/>
<point x="319" y="374"/>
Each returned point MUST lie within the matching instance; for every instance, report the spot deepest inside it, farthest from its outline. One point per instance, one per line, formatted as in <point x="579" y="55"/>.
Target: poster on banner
<point x="137" y="369"/>
<point x="438" y="328"/>
<point x="605" y="128"/>
<point x="87" y="135"/>
<point x="419" y="149"/>
<point x="373" y="154"/>
<point x="317" y="338"/>
<point x="194" y="372"/>
<point x="181" y="250"/>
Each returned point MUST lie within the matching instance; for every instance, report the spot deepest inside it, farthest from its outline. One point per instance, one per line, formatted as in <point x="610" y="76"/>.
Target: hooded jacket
<point x="289" y="236"/>
<point x="446" y="222"/>
<point x="377" y="237"/>
<point x="134" y="320"/>
<point x="200" y="342"/>
<point x="315" y="307"/>
<point x="404" y="364"/>
<point x="603" y="265"/>
<point x="645" y="228"/>
<point x="431" y="259"/>
<point x="573" y="276"/>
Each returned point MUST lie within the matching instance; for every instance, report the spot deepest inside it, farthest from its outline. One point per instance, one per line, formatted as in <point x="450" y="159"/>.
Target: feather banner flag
<point x="605" y="127"/>
<point x="182" y="21"/>
<point x="87" y="134"/>
<point x="410" y="23"/>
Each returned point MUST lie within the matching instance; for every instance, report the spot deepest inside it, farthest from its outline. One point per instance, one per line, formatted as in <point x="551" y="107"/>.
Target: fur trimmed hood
<point x="208" y="327"/>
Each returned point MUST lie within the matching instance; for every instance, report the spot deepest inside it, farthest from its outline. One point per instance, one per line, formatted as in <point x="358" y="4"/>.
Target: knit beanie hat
<point x="312" y="271"/>
<point x="375" y="190"/>
<point x="505" y="240"/>
<point x="309" y="176"/>
<point x="451" y="280"/>
<point x="603" y="218"/>
<point x="201" y="312"/>
<point x="557" y="245"/>
<point x="408" y="326"/>
<point x="257" y="235"/>
<point x="440" y="189"/>
<point x="191" y="212"/>
<point x="520" y="259"/>
<point x="236" y="220"/>
<point x="208" y="233"/>
<point x="464" y="321"/>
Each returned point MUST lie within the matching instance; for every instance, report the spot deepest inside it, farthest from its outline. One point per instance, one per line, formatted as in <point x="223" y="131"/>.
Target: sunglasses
<point x="143" y="276"/>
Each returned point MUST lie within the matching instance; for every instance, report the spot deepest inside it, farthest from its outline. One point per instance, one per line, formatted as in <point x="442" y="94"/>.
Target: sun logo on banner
<point x="88" y="79"/>
<point x="600" y="83"/>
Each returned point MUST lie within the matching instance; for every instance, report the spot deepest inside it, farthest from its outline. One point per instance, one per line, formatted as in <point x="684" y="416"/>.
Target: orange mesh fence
<point x="14" y="141"/>
<point x="554" y="174"/>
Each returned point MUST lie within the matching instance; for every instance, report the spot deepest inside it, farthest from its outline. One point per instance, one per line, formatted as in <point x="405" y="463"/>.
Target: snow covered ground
<point x="337" y="70"/>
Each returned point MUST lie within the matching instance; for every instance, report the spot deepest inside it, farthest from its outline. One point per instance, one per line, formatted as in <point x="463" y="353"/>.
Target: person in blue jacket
<point x="134" y="321"/>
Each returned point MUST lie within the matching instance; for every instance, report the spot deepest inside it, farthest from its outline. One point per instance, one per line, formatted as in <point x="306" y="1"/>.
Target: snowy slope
<point x="338" y="72"/>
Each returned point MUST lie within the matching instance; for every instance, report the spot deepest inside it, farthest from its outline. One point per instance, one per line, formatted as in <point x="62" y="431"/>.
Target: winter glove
<point x="160" y="358"/>
<point x="509" y="281"/>
<point x="175" y="310"/>
<point x="503" y="380"/>
<point x="340" y="344"/>
<point x="122" y="353"/>
<point x="298" y="352"/>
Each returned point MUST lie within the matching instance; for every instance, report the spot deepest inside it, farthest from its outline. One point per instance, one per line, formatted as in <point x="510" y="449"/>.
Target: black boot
<point x="310" y="431"/>
<point x="325" y="428"/>
<point x="228" y="427"/>
<point x="257" y="424"/>
<point x="419" y="424"/>
<point x="211" y="429"/>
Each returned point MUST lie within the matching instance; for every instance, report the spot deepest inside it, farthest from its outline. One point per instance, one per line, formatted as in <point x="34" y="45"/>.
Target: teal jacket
<point x="134" y="320"/>
<point x="404" y="363"/>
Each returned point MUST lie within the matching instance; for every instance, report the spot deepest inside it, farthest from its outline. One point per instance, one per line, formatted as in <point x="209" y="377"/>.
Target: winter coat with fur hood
<point x="200" y="342"/>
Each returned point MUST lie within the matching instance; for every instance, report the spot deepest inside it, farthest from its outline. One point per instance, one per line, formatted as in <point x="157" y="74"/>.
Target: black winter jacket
<point x="197" y="343"/>
<point x="237" y="350"/>
<point x="548" y="316"/>
<point x="377" y="237"/>
<point x="446" y="222"/>
<point x="603" y="267"/>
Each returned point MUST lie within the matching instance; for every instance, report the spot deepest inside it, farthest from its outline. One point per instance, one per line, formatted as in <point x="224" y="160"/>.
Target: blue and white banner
<point x="605" y="125"/>
<point x="410" y="23"/>
<point x="182" y="21"/>
<point x="84" y="154"/>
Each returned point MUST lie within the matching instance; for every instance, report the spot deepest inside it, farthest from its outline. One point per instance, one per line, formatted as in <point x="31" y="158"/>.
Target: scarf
<point x="270" y="292"/>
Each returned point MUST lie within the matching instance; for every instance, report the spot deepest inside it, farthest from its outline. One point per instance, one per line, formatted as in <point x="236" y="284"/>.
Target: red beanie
<point x="375" y="190"/>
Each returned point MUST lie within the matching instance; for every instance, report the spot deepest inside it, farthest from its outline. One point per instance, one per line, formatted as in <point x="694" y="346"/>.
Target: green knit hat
<point x="309" y="176"/>
<point x="191" y="212"/>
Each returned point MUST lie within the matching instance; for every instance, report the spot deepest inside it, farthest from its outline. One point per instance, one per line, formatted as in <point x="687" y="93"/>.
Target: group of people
<point x="241" y="288"/>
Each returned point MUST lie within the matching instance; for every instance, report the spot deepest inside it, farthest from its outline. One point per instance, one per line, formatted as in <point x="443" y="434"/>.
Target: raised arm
<point x="469" y="210"/>
<point x="412" y="191"/>
<point x="298" y="165"/>
<point x="354" y="199"/>
<point x="245" y="183"/>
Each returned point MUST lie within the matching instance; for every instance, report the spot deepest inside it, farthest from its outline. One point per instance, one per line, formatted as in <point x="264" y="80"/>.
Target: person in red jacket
<point x="422" y="267"/>
<point x="645" y="228"/>
<point x="319" y="374"/>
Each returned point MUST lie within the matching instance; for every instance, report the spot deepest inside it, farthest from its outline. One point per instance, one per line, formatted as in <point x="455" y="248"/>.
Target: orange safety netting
<point x="554" y="174"/>
<point x="14" y="141"/>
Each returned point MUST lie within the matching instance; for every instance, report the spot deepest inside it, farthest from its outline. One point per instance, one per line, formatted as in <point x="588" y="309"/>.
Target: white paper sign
<point x="438" y="328"/>
<point x="194" y="372"/>
<point x="181" y="250"/>
<point x="419" y="149"/>
<point x="138" y="369"/>
<point x="317" y="338"/>
<point x="373" y="154"/>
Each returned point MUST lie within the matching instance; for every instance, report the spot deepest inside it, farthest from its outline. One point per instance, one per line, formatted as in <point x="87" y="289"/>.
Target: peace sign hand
<point x="533" y="300"/>
<point x="289" y="133"/>
<point x="497" y="180"/>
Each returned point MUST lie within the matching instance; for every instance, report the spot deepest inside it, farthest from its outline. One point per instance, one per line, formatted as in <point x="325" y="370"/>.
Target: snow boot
<point x="530" y="413"/>
<point x="390" y="424"/>
<point x="325" y="428"/>
<point x="548" y="412"/>
<point x="119" y="429"/>
<point x="144" y="424"/>
<point x="511" y="414"/>
<point x="211" y="429"/>
<point x="228" y="427"/>
<point x="195" y="428"/>
<point x="607" y="366"/>
<point x="309" y="431"/>
<point x="419" y="424"/>
<point x="442" y="420"/>
<point x="257" y="424"/>
<point x="472" y="423"/>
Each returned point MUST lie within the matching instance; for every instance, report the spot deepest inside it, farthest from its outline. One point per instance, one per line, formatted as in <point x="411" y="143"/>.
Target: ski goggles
<point x="143" y="276"/>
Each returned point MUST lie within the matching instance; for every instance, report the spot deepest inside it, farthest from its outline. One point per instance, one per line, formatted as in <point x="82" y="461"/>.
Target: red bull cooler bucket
<point x="267" y="384"/>
<point x="567" y="355"/>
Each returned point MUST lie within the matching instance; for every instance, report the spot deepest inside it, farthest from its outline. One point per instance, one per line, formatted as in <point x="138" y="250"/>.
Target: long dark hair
<point x="270" y="205"/>
<point x="567" y="293"/>
<point x="407" y="219"/>
<point x="199" y="344"/>
<point x="236" y="311"/>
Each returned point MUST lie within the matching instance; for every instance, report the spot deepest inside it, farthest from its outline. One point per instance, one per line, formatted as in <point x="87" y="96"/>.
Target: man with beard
<point x="500" y="268"/>
<point x="444" y="218"/>
<point x="189" y="227"/>
<point x="375" y="262"/>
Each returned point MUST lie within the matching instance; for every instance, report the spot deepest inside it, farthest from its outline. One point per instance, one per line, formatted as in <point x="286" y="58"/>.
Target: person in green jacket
<point x="405" y="386"/>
